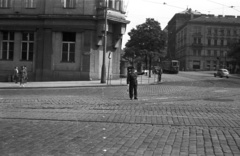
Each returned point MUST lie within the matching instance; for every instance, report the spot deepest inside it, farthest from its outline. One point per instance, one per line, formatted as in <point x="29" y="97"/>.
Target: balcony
<point x="115" y="12"/>
<point x="197" y="34"/>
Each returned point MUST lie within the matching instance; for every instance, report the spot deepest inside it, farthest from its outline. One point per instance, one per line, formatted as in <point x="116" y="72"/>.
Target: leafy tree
<point x="130" y="54"/>
<point x="147" y="41"/>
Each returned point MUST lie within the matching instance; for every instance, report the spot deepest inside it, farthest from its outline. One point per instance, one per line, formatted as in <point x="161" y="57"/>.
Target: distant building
<point x="61" y="39"/>
<point x="202" y="42"/>
<point x="177" y="20"/>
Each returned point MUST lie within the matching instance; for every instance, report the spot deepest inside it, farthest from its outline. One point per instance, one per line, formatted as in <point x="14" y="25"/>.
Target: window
<point x="215" y="41"/>
<point x="209" y="53"/>
<point x="7" y="45"/>
<point x="68" y="47"/>
<point x="4" y="3"/>
<point x="199" y="53"/>
<point x="221" y="53"/>
<point x="195" y="40"/>
<point x="222" y="32"/>
<point x="30" y="3"/>
<point x="225" y="53"/>
<point x="194" y="53"/>
<point x="27" y="46"/>
<point x="222" y="42"/>
<point x="228" y="32"/>
<point x="116" y="4"/>
<point x="69" y="3"/>
<point x="208" y="64"/>
<point x="235" y="32"/>
<point x="196" y="64"/>
<point x="215" y="31"/>
<point x="209" y="31"/>
<point x="209" y="41"/>
<point x="199" y="40"/>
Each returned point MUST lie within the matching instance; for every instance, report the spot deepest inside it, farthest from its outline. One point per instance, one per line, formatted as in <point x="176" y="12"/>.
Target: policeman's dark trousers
<point x="132" y="91"/>
<point x="159" y="77"/>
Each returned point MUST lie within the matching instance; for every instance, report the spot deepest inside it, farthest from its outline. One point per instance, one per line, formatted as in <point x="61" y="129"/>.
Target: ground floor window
<point x="68" y="52"/>
<point x="27" y="46"/>
<point x="69" y="3"/>
<point x="7" y="50"/>
<point x="7" y="45"/>
<point x="196" y="64"/>
<point x="4" y="3"/>
<point x="208" y="64"/>
<point x="68" y="47"/>
<point x="30" y="3"/>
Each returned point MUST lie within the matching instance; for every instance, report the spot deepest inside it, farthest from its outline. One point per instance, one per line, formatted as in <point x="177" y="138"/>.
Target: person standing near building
<point x="132" y="83"/>
<point x="26" y="74"/>
<point x="160" y="74"/>
<point x="15" y="74"/>
<point x="22" y="76"/>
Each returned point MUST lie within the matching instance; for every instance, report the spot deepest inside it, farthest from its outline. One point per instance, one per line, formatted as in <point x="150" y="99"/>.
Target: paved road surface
<point x="188" y="114"/>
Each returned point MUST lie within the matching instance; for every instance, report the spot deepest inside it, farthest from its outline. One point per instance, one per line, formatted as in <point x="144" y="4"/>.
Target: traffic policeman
<point x="132" y="83"/>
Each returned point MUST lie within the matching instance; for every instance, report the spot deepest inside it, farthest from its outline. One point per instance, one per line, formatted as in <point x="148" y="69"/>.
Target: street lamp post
<point x="103" y="74"/>
<point x="225" y="55"/>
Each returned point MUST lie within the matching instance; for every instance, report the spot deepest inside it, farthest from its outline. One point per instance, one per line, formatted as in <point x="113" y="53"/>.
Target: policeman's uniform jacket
<point x="132" y="79"/>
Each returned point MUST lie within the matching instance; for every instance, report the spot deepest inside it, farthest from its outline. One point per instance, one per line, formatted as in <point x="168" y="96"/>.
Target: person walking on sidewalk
<point x="132" y="83"/>
<point x="26" y="74"/>
<point x="22" y="76"/>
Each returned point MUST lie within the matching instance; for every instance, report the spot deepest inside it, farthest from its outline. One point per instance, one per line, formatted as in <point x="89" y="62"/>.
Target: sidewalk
<point x="142" y="80"/>
<point x="61" y="84"/>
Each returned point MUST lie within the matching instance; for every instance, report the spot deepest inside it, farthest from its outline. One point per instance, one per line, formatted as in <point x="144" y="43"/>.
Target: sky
<point x="163" y="10"/>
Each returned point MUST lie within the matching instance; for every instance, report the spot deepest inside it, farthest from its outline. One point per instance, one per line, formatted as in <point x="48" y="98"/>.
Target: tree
<point x="130" y="54"/>
<point x="147" y="41"/>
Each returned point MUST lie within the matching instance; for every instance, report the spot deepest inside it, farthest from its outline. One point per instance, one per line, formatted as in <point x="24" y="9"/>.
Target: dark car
<point x="222" y="73"/>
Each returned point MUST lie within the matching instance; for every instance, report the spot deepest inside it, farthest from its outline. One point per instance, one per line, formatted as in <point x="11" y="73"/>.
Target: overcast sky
<point x="163" y="10"/>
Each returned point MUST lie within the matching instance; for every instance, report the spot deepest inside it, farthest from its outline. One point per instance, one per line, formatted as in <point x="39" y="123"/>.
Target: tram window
<point x="174" y="63"/>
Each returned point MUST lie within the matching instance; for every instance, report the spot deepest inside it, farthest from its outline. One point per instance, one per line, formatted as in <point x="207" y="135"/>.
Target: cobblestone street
<point x="183" y="116"/>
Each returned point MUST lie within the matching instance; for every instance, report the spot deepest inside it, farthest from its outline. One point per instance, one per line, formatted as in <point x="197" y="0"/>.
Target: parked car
<point x="222" y="73"/>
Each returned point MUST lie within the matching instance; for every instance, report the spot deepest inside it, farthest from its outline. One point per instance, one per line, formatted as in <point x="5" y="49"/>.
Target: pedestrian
<point x="22" y="76"/>
<point x="132" y="83"/>
<point x="160" y="74"/>
<point x="15" y="74"/>
<point x="26" y="74"/>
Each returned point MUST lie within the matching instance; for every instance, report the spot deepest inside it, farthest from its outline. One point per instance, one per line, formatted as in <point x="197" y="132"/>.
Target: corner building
<point x="60" y="40"/>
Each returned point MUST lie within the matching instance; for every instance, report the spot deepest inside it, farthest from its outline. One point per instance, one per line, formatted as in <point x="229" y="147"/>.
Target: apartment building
<point x="202" y="43"/>
<point x="60" y="39"/>
<point x="177" y="21"/>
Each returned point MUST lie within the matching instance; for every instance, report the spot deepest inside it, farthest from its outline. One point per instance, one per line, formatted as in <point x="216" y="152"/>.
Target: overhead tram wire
<point x="232" y="7"/>
<point x="164" y="3"/>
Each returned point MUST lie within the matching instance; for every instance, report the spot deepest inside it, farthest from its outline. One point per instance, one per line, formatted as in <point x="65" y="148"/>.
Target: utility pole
<point x="103" y="74"/>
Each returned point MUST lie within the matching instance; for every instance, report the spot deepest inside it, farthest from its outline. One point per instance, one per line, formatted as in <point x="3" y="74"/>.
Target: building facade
<point x="203" y="43"/>
<point x="60" y="39"/>
<point x="177" y="21"/>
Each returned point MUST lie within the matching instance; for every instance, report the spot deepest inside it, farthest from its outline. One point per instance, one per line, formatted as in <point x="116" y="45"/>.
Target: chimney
<point x="229" y="16"/>
<point x="210" y="15"/>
